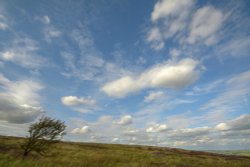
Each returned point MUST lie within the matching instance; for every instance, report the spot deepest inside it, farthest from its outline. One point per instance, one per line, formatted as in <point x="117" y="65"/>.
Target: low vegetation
<point x="73" y="154"/>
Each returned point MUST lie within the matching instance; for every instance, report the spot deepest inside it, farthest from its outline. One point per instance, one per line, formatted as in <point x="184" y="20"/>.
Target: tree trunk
<point x="25" y="153"/>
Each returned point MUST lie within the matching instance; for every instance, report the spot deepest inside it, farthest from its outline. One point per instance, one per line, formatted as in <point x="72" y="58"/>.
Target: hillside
<point x="72" y="154"/>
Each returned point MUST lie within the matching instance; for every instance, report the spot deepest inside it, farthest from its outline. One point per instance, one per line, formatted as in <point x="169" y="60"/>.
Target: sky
<point x="167" y="73"/>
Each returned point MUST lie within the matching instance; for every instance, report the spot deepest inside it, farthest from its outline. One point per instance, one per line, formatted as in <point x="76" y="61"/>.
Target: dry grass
<point x="108" y="155"/>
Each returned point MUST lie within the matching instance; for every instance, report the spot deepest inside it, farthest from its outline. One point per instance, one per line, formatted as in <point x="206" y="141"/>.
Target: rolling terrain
<point x="73" y="154"/>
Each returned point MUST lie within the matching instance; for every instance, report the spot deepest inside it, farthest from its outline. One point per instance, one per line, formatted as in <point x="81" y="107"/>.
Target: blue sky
<point x="164" y="73"/>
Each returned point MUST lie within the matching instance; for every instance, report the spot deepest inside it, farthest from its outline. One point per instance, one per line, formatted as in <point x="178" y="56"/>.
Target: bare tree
<point x="42" y="135"/>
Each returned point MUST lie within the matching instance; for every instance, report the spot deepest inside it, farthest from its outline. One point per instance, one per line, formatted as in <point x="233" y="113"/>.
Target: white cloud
<point x="222" y="127"/>
<point x="164" y="8"/>
<point x="234" y="130"/>
<point x="240" y="123"/>
<point x="24" y="53"/>
<point x="49" y="30"/>
<point x="130" y="132"/>
<point x="168" y="75"/>
<point x="206" y="22"/>
<point x="115" y="139"/>
<point x="190" y="132"/>
<point x="83" y="130"/>
<point x="120" y="87"/>
<point x="141" y="60"/>
<point x="90" y="60"/>
<point x="236" y="89"/>
<point x="157" y="128"/>
<point x="207" y="88"/>
<point x="45" y="19"/>
<point x="74" y="101"/>
<point x="13" y="129"/>
<point x="238" y="47"/>
<point x="180" y="121"/>
<point x="20" y="101"/>
<point x="3" y="26"/>
<point x="169" y="17"/>
<point x="3" y="22"/>
<point x="105" y="131"/>
<point x="175" y="53"/>
<point x="155" y="36"/>
<point x="152" y="96"/>
<point x="125" y="120"/>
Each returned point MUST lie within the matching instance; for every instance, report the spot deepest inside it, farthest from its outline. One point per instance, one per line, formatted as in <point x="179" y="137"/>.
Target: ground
<point x="73" y="154"/>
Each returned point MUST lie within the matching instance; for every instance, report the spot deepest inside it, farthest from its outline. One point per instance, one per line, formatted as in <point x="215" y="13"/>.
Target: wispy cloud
<point x="49" y="30"/>
<point x="90" y="59"/>
<point x="152" y="96"/>
<point x="24" y="52"/>
<point x="236" y="47"/>
<point x="3" y="24"/>
<point x="230" y="99"/>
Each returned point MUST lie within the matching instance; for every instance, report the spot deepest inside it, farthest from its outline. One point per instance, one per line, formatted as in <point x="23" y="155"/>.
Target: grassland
<point x="232" y="152"/>
<point x="109" y="155"/>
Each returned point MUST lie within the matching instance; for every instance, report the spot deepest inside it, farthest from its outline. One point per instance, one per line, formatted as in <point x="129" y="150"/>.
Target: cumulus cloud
<point x="205" y="24"/>
<point x="152" y="96"/>
<point x="125" y="120"/>
<point x="222" y="127"/>
<point x="83" y="130"/>
<point x="75" y="101"/>
<point x="20" y="101"/>
<point x="177" y="20"/>
<point x="24" y="53"/>
<point x="157" y="128"/>
<point x="104" y="130"/>
<point x="168" y="75"/>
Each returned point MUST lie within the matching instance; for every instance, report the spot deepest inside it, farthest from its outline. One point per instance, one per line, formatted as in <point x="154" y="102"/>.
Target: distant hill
<point x="72" y="154"/>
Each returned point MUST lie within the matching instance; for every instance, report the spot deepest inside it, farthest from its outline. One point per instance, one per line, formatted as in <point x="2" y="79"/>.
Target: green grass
<point x="110" y="155"/>
<point x="232" y="152"/>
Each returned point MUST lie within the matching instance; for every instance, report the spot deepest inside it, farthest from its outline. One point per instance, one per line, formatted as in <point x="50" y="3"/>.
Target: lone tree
<point x="42" y="135"/>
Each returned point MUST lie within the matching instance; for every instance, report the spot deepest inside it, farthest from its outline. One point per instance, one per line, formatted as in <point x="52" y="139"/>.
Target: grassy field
<point x="232" y="152"/>
<point x="109" y="155"/>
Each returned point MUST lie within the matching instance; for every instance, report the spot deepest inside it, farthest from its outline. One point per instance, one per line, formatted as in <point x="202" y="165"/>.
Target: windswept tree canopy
<point x="42" y="134"/>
